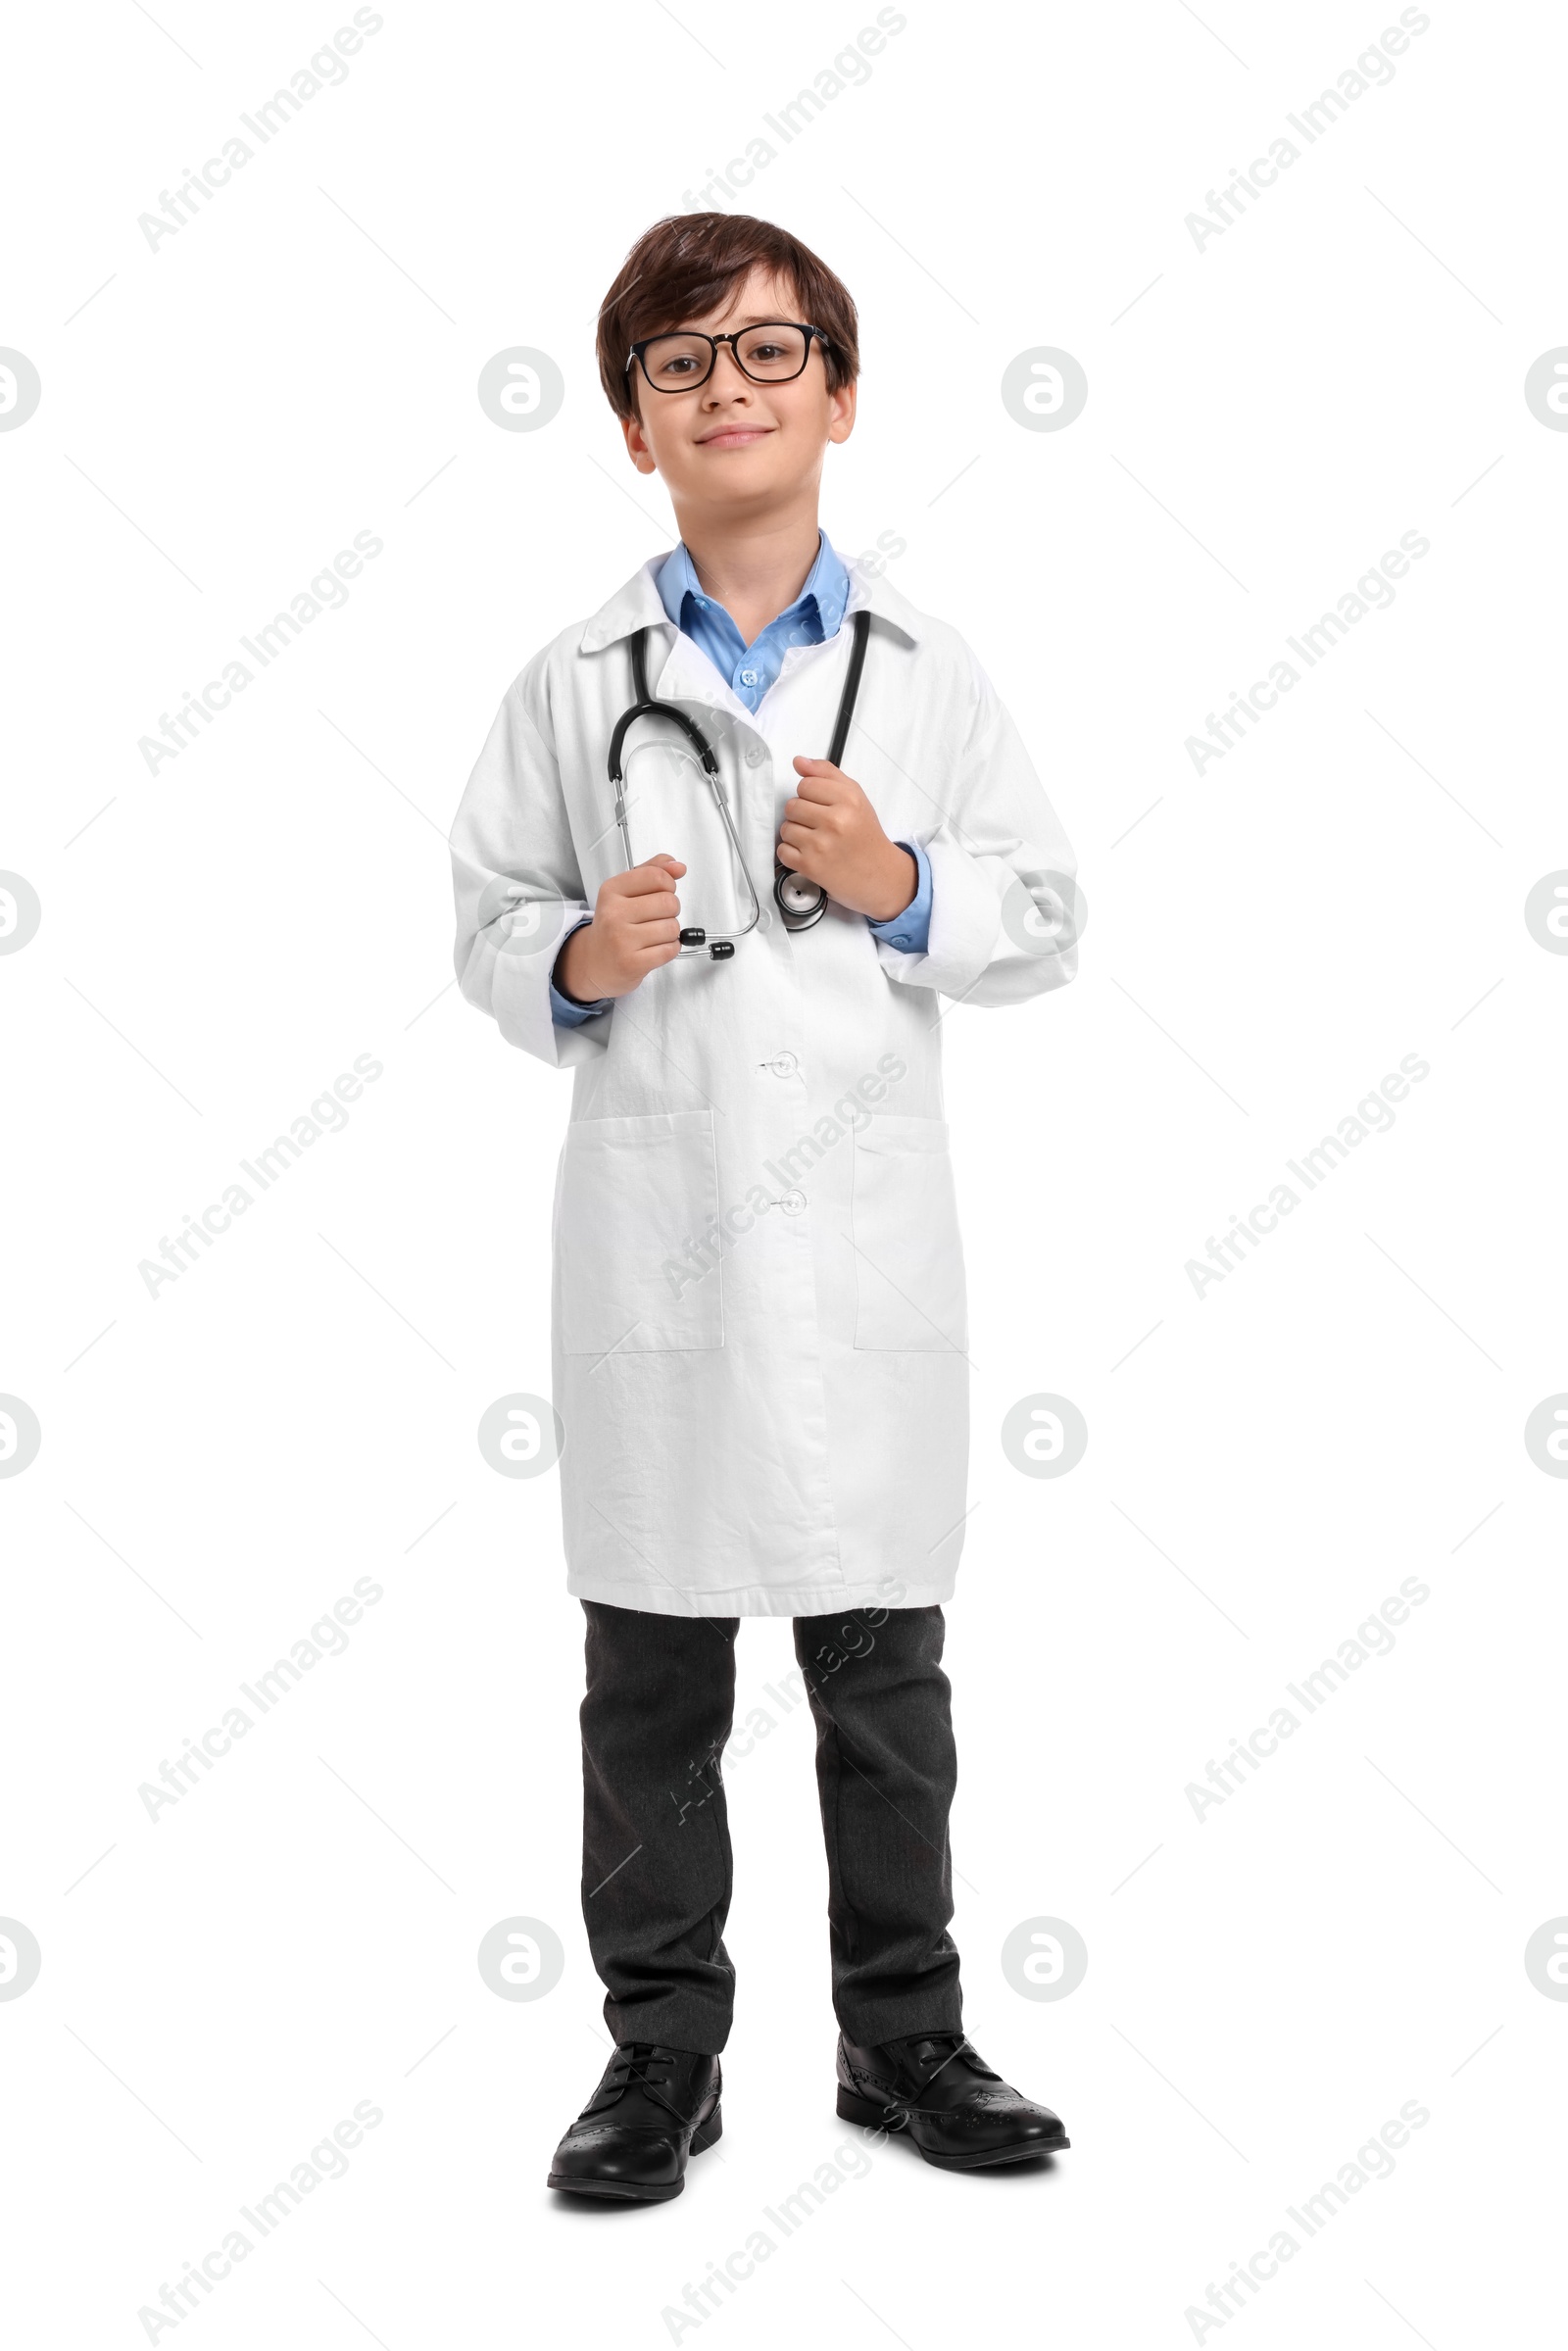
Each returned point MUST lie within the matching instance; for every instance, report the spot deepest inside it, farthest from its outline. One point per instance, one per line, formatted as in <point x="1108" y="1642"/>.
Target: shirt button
<point x="756" y="755"/>
<point x="747" y="678"/>
<point x="784" y="1065"/>
<point x="792" y="1203"/>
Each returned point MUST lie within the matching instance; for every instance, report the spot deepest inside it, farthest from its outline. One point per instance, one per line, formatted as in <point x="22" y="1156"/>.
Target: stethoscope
<point x="800" y="902"/>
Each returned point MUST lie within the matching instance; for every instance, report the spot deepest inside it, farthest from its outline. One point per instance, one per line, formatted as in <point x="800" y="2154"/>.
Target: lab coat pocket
<point x="909" y="1262"/>
<point x="631" y="1195"/>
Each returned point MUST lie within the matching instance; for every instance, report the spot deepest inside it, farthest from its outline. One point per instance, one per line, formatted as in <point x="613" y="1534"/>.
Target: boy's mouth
<point x="733" y="436"/>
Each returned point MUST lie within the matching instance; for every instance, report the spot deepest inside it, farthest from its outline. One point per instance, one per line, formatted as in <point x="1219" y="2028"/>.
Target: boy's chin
<point x="741" y="480"/>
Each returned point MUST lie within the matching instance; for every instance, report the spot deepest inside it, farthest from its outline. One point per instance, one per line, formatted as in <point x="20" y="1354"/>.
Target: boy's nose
<point x="739" y="382"/>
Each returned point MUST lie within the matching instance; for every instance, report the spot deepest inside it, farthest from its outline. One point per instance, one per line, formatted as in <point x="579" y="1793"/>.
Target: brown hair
<point x="684" y="266"/>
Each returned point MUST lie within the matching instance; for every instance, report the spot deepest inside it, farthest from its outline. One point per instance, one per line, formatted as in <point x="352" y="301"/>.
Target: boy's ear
<point x="637" y="449"/>
<point x="842" y="413"/>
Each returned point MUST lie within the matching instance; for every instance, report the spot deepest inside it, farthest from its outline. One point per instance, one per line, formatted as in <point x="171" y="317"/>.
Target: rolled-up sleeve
<point x="911" y="930"/>
<point x="564" y="1010"/>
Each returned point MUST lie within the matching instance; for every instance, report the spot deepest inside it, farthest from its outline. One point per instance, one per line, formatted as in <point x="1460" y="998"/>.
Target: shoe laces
<point x="931" y="2053"/>
<point x="636" y="2065"/>
<point x="936" y="2051"/>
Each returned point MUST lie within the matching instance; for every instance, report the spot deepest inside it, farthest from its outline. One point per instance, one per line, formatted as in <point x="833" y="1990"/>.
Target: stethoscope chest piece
<point x="800" y="901"/>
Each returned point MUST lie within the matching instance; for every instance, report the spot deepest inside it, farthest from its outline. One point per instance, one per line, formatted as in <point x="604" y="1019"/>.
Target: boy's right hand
<point x="636" y="927"/>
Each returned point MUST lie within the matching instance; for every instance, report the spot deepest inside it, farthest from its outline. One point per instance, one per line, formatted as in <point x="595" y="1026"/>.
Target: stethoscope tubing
<point x="646" y="706"/>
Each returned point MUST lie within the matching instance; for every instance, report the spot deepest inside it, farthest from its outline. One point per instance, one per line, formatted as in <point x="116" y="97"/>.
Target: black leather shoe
<point x="958" y="2113"/>
<point x="653" y="2107"/>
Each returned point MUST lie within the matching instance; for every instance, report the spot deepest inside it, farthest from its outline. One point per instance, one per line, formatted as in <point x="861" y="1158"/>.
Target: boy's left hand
<point x="831" y="834"/>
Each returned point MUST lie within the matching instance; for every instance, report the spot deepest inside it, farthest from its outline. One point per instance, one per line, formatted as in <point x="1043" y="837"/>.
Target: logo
<point x="1045" y="1436"/>
<point x="522" y="1959"/>
<point x="1045" y="389"/>
<point x="522" y="1436"/>
<point x="1045" y="1959"/>
<point x="520" y="389"/>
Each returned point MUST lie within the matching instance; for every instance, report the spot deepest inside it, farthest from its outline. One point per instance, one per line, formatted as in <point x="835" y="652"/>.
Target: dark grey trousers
<point x="657" y="1869"/>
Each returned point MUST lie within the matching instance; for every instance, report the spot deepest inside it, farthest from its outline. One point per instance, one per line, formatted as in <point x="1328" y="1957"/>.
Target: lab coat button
<point x="784" y="1065"/>
<point x="792" y="1203"/>
<point x="756" y="755"/>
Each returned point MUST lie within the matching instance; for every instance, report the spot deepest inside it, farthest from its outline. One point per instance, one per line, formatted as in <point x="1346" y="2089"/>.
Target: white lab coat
<point x="758" y="1292"/>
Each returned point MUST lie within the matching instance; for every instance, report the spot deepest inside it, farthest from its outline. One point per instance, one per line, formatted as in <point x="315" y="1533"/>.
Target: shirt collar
<point x="827" y="584"/>
<point x="639" y="604"/>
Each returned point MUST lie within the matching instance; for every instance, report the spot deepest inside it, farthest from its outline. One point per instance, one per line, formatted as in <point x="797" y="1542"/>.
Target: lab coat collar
<point x="638" y="605"/>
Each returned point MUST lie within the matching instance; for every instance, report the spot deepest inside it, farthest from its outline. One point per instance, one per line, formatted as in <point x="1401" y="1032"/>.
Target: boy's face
<point x="730" y="444"/>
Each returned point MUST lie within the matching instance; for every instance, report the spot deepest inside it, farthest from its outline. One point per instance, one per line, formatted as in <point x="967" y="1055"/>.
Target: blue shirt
<point x="750" y="669"/>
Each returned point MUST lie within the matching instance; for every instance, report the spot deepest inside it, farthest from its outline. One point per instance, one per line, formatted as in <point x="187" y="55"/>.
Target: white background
<point x="1265" y="416"/>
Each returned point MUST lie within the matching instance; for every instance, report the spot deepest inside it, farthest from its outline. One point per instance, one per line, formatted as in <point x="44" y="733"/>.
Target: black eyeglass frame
<point x="639" y="352"/>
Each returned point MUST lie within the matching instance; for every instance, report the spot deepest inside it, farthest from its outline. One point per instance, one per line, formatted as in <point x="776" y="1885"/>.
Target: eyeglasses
<point x="769" y="353"/>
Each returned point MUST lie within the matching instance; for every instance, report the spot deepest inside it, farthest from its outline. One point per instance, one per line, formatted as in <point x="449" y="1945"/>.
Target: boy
<point x="759" y="1304"/>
